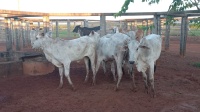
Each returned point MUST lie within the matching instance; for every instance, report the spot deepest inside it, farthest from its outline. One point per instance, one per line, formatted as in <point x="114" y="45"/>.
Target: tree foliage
<point x="176" y="5"/>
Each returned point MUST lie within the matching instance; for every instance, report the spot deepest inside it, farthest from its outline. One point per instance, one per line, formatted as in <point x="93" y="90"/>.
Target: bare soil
<point x="177" y="87"/>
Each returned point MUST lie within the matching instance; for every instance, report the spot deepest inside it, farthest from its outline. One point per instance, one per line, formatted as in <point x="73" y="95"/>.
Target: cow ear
<point x="49" y="34"/>
<point x="42" y="34"/>
<point x="92" y="33"/>
<point x="122" y="48"/>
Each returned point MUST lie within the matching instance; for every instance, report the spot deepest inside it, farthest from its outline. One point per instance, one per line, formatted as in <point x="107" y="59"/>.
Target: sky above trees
<point x="81" y="6"/>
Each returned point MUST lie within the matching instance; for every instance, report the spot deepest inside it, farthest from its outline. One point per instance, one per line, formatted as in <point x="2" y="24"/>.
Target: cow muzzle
<point x="131" y="62"/>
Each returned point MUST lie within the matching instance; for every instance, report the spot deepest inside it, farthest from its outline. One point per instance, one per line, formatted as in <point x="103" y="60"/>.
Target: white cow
<point x="112" y="49"/>
<point x="62" y="52"/>
<point x="132" y="35"/>
<point x="145" y="57"/>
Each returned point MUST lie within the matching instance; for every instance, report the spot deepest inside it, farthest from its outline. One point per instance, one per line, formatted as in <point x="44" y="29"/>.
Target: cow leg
<point x="119" y="71"/>
<point x="86" y="60"/>
<point x="130" y="70"/>
<point x="145" y="80"/>
<point x="61" y="70"/>
<point x="113" y="70"/>
<point x="92" y="60"/>
<point x="133" y="83"/>
<point x="123" y="63"/>
<point x="151" y="78"/>
<point x="67" y="75"/>
<point x="99" y="60"/>
<point x="133" y="77"/>
<point x="104" y="66"/>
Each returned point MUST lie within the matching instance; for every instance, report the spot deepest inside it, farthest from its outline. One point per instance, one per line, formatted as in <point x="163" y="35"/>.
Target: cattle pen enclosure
<point x="177" y="79"/>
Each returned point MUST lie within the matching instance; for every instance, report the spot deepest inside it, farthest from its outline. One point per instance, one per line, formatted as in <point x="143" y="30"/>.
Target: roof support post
<point x="46" y="23"/>
<point x="167" y="36"/>
<point x="17" y="34"/>
<point x="147" y="25"/>
<point x="184" y="33"/>
<point x="23" y="33"/>
<point x="102" y="25"/>
<point x="68" y="28"/>
<point x="157" y="25"/>
<point x="8" y="38"/>
<point x="57" y="24"/>
<point x="85" y="22"/>
<point x="28" y="32"/>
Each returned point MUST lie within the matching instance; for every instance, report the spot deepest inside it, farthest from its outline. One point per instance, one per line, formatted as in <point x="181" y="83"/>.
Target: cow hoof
<point x="153" y="96"/>
<point x="93" y="84"/>
<point x="86" y="80"/>
<point x="116" y="89"/>
<point x="134" y="90"/>
<point x="60" y="87"/>
<point x="73" y="88"/>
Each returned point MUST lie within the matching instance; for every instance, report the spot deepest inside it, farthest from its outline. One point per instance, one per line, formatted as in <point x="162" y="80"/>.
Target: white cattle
<point x="112" y="48"/>
<point x="62" y="52"/>
<point x="145" y="57"/>
<point x="132" y="35"/>
<point x="33" y="34"/>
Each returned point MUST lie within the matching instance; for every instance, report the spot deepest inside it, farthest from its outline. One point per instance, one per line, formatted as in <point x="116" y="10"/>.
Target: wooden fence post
<point x="157" y="25"/>
<point x="23" y="33"/>
<point x="28" y="32"/>
<point x="8" y="38"/>
<point x="38" y="24"/>
<point x="57" y="24"/>
<point x="147" y="25"/>
<point x="12" y="31"/>
<point x="167" y="36"/>
<point x="184" y="33"/>
<point x="68" y="28"/>
<point x="17" y="35"/>
<point x="85" y="23"/>
<point x="46" y="23"/>
<point x="102" y="25"/>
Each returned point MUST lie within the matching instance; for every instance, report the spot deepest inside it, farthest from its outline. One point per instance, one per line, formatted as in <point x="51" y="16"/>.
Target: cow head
<point x="133" y="47"/>
<point x="131" y="34"/>
<point x="115" y="29"/>
<point x="33" y="34"/>
<point x="94" y="35"/>
<point x="144" y="44"/>
<point x="139" y="34"/>
<point x="38" y="43"/>
<point x="76" y="29"/>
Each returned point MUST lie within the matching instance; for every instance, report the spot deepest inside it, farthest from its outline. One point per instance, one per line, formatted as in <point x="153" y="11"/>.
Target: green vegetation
<point x="176" y="5"/>
<point x="196" y="64"/>
<point x="191" y="32"/>
<point x="64" y="34"/>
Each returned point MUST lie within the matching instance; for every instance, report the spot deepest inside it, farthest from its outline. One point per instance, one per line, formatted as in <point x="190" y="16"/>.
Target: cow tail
<point x="154" y="68"/>
<point x="89" y="63"/>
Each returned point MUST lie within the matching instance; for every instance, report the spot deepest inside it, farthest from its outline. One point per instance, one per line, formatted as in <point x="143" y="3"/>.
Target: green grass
<point x="177" y="32"/>
<point x="64" y="34"/>
<point x="173" y="32"/>
<point x="196" y="64"/>
<point x="194" y="32"/>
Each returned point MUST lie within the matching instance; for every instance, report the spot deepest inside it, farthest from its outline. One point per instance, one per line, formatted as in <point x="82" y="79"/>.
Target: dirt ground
<point x="177" y="86"/>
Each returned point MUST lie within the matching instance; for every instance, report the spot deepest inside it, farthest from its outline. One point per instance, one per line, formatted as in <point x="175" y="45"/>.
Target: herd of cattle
<point x="120" y="49"/>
